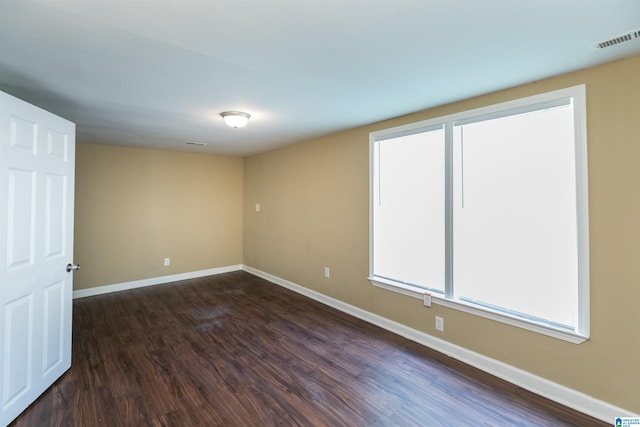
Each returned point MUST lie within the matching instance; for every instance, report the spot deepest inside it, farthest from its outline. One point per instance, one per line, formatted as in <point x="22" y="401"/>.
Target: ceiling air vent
<point x="200" y="144"/>
<point x="622" y="38"/>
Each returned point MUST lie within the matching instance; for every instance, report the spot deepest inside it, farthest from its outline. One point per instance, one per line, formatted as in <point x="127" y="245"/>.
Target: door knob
<point x="72" y="267"/>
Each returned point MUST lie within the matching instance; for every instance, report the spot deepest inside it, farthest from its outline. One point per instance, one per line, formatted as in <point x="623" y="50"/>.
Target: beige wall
<point x="314" y="213"/>
<point x="134" y="207"/>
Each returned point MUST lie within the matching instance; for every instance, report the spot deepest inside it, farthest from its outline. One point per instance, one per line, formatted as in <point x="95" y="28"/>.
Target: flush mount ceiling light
<point x="235" y="119"/>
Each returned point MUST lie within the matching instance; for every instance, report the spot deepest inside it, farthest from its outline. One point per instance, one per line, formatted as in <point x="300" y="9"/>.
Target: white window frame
<point x="578" y="95"/>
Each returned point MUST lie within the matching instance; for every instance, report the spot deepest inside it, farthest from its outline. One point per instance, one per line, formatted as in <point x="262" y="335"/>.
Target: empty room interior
<point x="273" y="245"/>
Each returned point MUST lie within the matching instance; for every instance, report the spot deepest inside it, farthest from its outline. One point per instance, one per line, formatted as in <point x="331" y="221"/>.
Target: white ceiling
<point x="154" y="73"/>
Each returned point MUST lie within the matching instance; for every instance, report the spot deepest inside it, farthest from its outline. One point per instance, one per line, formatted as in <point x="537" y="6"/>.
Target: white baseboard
<point x="541" y="386"/>
<point x="99" y="290"/>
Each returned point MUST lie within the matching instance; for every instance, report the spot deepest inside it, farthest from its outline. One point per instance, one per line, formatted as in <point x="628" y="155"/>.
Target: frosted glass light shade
<point x="235" y="119"/>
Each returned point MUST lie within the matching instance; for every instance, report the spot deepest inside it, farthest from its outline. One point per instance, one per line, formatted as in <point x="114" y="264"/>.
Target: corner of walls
<point x="135" y="207"/>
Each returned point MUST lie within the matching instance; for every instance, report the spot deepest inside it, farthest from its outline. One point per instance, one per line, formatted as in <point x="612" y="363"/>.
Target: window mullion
<point x="448" y="208"/>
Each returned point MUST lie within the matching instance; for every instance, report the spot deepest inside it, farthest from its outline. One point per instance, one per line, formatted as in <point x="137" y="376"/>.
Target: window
<point x="487" y="211"/>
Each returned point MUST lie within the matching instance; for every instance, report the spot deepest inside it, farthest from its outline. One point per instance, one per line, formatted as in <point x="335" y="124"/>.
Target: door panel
<point x="37" y="161"/>
<point x="54" y="303"/>
<point x="21" y="221"/>
<point x="18" y="348"/>
<point x="55" y="216"/>
<point x="23" y="134"/>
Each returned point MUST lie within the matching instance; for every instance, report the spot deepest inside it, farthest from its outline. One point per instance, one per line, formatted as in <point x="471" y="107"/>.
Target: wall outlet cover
<point x="426" y="299"/>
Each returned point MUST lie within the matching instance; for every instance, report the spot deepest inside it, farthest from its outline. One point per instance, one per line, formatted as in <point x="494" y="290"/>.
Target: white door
<point x="37" y="161"/>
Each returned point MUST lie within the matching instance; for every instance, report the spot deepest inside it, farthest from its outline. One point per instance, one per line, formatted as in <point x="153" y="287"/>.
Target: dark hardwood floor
<point x="235" y="350"/>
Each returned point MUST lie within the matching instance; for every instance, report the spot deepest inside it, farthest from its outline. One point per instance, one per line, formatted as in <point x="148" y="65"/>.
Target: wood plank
<point x="235" y="350"/>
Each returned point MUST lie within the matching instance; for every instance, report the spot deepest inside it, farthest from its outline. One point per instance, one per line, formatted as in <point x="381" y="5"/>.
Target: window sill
<point x="416" y="292"/>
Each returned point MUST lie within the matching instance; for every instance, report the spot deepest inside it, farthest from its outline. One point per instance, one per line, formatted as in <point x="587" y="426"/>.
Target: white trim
<point x="573" y="399"/>
<point x="557" y="97"/>
<point x="582" y="206"/>
<point x="530" y="325"/>
<point x="577" y="91"/>
<point x="106" y="289"/>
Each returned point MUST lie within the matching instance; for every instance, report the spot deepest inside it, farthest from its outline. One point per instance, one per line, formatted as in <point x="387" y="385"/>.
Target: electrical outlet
<point x="257" y="207"/>
<point x="440" y="323"/>
<point x="327" y="272"/>
<point x="167" y="262"/>
<point x="426" y="299"/>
